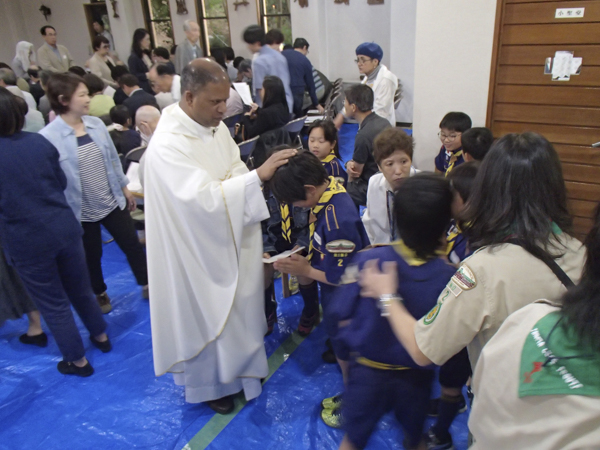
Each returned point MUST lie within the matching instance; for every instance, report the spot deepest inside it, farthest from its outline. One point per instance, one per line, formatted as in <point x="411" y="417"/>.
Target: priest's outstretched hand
<point x="278" y="159"/>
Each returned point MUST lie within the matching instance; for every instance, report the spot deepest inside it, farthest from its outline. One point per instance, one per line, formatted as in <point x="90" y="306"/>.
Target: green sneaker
<point x="333" y="417"/>
<point x="332" y="402"/>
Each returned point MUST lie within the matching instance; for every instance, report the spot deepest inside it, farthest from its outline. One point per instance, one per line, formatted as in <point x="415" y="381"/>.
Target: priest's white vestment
<point x="203" y="211"/>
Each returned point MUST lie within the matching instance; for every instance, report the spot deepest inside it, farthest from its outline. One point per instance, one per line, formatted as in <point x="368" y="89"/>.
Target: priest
<point x="203" y="210"/>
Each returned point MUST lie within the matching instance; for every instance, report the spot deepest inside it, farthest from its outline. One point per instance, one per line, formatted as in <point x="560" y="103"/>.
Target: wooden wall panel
<point x="563" y="34"/>
<point x="590" y="76"/>
<point x="581" y="208"/>
<point x="581" y="173"/>
<point x="529" y="13"/>
<point x="583" y="191"/>
<point x="548" y="95"/>
<point x="555" y="134"/>
<point x="508" y="2"/>
<point x="558" y="115"/>
<point x="578" y="154"/>
<point x="527" y="55"/>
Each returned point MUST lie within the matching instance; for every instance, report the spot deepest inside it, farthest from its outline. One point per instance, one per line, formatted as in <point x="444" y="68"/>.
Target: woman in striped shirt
<point x="97" y="188"/>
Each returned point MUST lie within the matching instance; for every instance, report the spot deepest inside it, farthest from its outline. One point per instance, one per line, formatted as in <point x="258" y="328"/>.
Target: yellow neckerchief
<point x="409" y="255"/>
<point x="451" y="236"/>
<point x="328" y="158"/>
<point x="453" y="159"/>
<point x="286" y="222"/>
<point x="333" y="188"/>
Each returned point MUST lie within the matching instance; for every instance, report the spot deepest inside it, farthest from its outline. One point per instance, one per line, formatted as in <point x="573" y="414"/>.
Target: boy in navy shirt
<point x="336" y="232"/>
<point x="382" y="375"/>
<point x="452" y="126"/>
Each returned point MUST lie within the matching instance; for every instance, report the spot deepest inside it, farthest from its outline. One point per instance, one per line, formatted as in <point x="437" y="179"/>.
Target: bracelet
<point x="385" y="301"/>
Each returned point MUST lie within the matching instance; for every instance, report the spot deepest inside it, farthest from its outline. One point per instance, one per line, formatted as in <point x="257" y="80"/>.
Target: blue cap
<point x="370" y="49"/>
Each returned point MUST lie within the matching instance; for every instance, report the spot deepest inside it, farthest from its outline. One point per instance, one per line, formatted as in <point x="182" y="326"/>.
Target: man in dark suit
<point x="137" y="96"/>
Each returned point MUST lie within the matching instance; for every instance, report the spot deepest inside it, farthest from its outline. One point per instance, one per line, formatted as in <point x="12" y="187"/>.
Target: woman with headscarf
<point x="24" y="59"/>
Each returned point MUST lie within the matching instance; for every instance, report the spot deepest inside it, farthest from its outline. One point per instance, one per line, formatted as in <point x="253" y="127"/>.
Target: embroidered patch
<point x="317" y="238"/>
<point x="464" y="278"/>
<point x="350" y="275"/>
<point x="452" y="287"/>
<point x="340" y="246"/>
<point x="431" y="315"/>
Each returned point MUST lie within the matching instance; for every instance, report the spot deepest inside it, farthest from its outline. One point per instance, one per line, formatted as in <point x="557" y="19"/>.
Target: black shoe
<point x="222" y="405"/>
<point x="104" y="347"/>
<point x="41" y="340"/>
<point x="329" y="357"/>
<point x="68" y="368"/>
<point x="436" y="443"/>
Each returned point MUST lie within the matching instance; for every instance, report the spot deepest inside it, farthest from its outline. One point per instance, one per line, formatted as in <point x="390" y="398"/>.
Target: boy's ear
<point x="310" y="190"/>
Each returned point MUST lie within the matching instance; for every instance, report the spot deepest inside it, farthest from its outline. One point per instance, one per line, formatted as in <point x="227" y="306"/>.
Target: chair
<point x="266" y="141"/>
<point x="295" y="127"/>
<point x="247" y="147"/>
<point x="231" y="121"/>
<point x="136" y="154"/>
<point x="398" y="95"/>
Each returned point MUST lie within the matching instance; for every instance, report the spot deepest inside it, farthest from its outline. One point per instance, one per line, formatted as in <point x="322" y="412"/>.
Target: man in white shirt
<point x="203" y="211"/>
<point x="164" y="79"/>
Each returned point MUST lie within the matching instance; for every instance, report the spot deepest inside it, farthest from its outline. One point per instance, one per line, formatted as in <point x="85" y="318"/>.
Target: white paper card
<point x="576" y="66"/>
<point x="561" y="69"/>
<point x="311" y="119"/>
<point x="244" y="90"/>
<point x="569" y="13"/>
<point x="272" y="259"/>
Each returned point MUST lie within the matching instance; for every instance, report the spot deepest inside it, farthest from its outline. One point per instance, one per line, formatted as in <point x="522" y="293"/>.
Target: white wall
<point x="453" y="52"/>
<point x="12" y="29"/>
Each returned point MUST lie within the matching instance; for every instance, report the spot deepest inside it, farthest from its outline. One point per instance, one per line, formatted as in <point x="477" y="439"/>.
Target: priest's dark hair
<point x="519" y="192"/>
<point x="194" y="78"/>
<point x="422" y="212"/>
<point x="303" y="169"/>
<point x="581" y="304"/>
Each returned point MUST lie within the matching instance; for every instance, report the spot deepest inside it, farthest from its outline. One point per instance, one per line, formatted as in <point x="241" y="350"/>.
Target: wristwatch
<point x="385" y="301"/>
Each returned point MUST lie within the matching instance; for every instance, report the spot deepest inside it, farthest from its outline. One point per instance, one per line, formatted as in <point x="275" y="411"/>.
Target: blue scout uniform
<point x="286" y="227"/>
<point x="457" y="244"/>
<point x="335" y="168"/>
<point x="445" y="161"/>
<point x="337" y="233"/>
<point x="382" y="374"/>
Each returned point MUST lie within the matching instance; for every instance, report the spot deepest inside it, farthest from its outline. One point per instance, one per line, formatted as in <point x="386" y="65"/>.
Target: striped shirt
<point x="97" y="200"/>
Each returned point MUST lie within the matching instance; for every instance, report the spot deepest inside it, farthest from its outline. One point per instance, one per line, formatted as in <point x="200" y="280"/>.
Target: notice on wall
<point x="561" y="69"/>
<point x="576" y="66"/>
<point x="569" y="13"/>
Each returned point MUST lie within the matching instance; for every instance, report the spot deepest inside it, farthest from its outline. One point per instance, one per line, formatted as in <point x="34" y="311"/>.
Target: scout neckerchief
<point x="565" y="366"/>
<point x="409" y="255"/>
<point x="390" y="213"/>
<point x="333" y="188"/>
<point x="453" y="233"/>
<point x="328" y="158"/>
<point x="286" y="222"/>
<point x="453" y="158"/>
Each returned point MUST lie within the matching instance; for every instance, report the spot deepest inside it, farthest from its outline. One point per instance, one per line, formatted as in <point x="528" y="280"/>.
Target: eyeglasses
<point x="449" y="138"/>
<point x="363" y="60"/>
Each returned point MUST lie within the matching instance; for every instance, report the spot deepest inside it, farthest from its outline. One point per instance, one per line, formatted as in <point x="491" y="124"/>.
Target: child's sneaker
<point x="333" y="417"/>
<point x="332" y="402"/>
<point x="434" y="404"/>
<point x="307" y="324"/>
<point x="271" y="322"/>
<point x="435" y="443"/>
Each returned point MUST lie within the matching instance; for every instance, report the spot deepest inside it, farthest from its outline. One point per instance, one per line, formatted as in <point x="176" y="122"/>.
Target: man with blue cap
<point x="379" y="78"/>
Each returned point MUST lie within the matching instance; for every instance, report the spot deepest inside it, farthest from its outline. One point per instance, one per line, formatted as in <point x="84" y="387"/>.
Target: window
<point x="215" y="23"/>
<point x="158" y="21"/>
<point x="276" y="14"/>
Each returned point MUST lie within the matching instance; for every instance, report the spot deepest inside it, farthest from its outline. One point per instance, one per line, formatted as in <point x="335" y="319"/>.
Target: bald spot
<point x="146" y="114"/>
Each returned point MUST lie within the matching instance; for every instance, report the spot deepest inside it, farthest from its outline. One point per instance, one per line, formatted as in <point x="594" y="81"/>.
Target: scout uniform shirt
<point x="490" y="285"/>
<point x="369" y="336"/>
<point x="520" y="403"/>
<point x="445" y="161"/>
<point x="336" y="234"/>
<point x="457" y="249"/>
<point x="286" y="226"/>
<point x="335" y="169"/>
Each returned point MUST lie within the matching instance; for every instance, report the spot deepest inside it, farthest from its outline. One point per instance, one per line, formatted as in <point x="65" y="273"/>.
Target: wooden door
<point x="524" y="98"/>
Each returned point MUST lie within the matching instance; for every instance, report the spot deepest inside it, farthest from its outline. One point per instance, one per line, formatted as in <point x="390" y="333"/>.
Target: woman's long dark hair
<point x="12" y="118"/>
<point x="138" y="35"/>
<point x="519" y="193"/>
<point x="581" y="304"/>
<point x="274" y="92"/>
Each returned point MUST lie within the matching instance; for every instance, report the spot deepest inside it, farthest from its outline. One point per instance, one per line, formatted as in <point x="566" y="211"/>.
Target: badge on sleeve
<point x="431" y="315"/>
<point x="340" y="246"/>
<point x="462" y="280"/>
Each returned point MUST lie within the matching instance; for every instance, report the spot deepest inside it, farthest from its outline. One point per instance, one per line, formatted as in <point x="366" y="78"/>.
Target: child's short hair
<point x="120" y="114"/>
<point x="329" y="132"/>
<point x="422" y="210"/>
<point x="360" y="95"/>
<point x="456" y="121"/>
<point x="461" y="178"/>
<point x="289" y="180"/>
<point x="391" y="140"/>
<point x="477" y="142"/>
